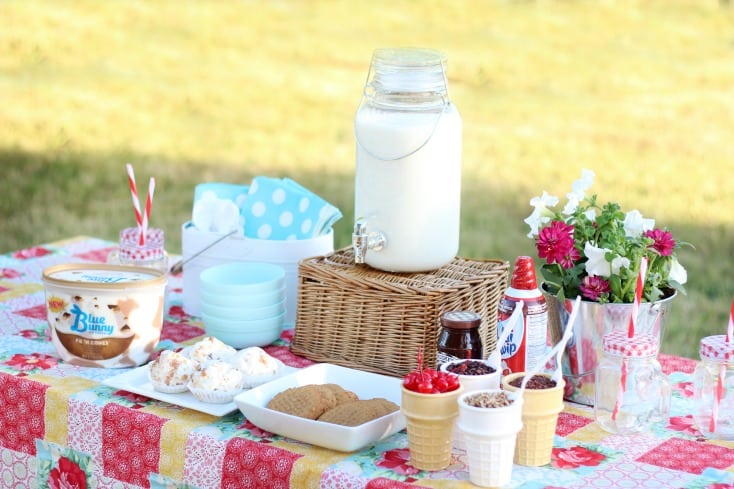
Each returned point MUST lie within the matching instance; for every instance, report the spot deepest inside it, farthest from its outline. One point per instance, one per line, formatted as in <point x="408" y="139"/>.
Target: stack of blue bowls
<point x="243" y="303"/>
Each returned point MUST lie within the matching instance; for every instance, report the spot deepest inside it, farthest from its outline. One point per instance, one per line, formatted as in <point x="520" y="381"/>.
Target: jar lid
<point x="617" y="343"/>
<point x="408" y="70"/>
<point x="131" y="250"/>
<point x="716" y="348"/>
<point x="460" y="319"/>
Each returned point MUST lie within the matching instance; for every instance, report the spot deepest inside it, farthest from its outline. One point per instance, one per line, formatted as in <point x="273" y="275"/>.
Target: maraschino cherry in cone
<point x="429" y="404"/>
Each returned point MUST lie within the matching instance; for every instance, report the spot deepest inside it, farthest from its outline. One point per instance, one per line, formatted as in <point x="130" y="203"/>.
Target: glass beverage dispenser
<point x="408" y="164"/>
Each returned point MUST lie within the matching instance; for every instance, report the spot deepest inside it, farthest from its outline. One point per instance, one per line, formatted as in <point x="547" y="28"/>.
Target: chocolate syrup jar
<point x="459" y="337"/>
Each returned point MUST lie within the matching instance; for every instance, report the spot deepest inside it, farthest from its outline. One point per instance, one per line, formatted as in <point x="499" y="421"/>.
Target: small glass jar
<point x="713" y="388"/>
<point x="151" y="254"/>
<point x="631" y="391"/>
<point x="459" y="337"/>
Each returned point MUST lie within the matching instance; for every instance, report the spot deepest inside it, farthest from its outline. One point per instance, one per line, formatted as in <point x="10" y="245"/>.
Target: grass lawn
<point x="189" y="92"/>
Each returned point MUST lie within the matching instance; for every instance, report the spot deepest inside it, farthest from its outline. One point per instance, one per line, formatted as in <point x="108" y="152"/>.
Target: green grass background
<point x="642" y="92"/>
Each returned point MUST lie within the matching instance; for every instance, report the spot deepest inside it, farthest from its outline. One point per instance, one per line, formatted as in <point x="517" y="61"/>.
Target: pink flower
<point x="664" y="242"/>
<point x="575" y="457"/>
<point x="397" y="461"/>
<point x="32" y="361"/>
<point x="9" y="273"/>
<point x="593" y="287"/>
<point x="35" y="252"/>
<point x="685" y="389"/>
<point x="254" y="430"/>
<point x="31" y="334"/>
<point x="555" y="243"/>
<point x="67" y="475"/>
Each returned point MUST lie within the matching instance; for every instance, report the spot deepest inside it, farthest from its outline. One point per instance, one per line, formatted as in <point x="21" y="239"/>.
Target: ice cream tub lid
<point x="103" y="276"/>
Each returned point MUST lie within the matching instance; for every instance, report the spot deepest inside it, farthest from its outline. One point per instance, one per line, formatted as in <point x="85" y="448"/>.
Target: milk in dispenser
<point x="408" y="164"/>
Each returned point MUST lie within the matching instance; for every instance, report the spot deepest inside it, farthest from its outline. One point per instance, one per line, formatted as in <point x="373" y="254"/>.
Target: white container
<point x="408" y="164"/>
<point x="240" y="249"/>
<point x="491" y="435"/>
<point x="107" y="316"/>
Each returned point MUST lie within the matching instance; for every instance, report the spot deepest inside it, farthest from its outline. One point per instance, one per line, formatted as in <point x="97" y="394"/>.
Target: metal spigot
<point x="362" y="240"/>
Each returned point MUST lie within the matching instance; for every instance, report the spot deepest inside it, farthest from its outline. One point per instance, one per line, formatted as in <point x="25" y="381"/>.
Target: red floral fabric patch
<point x="250" y="464"/>
<point x="35" y="252"/>
<point x="131" y="444"/>
<point x="179" y="332"/>
<point x="689" y="456"/>
<point x="568" y="423"/>
<point x="575" y="457"/>
<point x="384" y="483"/>
<point x="35" y="312"/>
<point x="23" y="416"/>
<point x="98" y="255"/>
<point x="670" y="364"/>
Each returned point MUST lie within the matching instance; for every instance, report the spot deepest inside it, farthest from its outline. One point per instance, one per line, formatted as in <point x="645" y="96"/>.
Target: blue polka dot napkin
<point x="283" y="209"/>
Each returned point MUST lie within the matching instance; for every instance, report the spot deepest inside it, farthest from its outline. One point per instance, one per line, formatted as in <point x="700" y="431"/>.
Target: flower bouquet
<point x="595" y="249"/>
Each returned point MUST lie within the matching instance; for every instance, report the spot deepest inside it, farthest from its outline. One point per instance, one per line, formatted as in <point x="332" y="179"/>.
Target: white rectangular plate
<point x="136" y="380"/>
<point x="366" y="385"/>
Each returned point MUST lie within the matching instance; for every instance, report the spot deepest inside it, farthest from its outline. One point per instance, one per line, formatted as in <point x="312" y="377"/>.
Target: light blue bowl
<point x="243" y="340"/>
<point x="260" y="299"/>
<point x="243" y="313"/>
<point x="240" y="278"/>
<point x="240" y="326"/>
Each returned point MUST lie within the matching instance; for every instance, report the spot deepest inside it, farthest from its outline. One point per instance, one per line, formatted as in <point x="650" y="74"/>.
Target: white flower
<point x="597" y="264"/>
<point x="578" y="191"/>
<point x="618" y="263"/>
<point x="635" y="224"/>
<point x="584" y="183"/>
<point x="541" y="214"/>
<point x="572" y="204"/>
<point x="677" y="272"/>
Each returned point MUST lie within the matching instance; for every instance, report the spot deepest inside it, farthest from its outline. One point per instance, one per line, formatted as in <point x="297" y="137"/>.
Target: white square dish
<point x="136" y="380"/>
<point x="335" y="437"/>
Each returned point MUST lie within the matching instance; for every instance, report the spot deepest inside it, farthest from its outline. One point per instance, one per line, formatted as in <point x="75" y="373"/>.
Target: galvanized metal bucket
<point x="593" y="321"/>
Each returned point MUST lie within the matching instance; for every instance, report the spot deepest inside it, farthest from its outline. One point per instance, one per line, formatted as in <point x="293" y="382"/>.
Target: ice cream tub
<point x="107" y="316"/>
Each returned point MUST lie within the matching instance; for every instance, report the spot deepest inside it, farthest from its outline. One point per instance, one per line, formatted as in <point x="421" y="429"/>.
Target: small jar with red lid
<point x="459" y="337"/>
<point x="631" y="391"/>
<point x="713" y="388"/>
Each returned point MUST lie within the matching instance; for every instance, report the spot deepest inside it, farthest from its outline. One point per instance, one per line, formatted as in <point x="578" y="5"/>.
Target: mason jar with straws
<point x="631" y="391"/>
<point x="141" y="246"/>
<point x="713" y="385"/>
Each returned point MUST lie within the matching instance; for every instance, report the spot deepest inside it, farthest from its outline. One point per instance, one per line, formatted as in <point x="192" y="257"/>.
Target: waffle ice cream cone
<point x="539" y="418"/>
<point x="430" y="424"/>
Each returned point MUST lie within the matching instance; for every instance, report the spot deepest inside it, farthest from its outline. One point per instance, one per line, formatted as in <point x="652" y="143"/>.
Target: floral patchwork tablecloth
<point x="61" y="428"/>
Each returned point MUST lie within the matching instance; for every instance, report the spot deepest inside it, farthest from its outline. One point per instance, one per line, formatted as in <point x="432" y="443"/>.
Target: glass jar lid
<point x="716" y="348"/>
<point x="460" y="319"/>
<point x="131" y="250"/>
<point x="617" y="343"/>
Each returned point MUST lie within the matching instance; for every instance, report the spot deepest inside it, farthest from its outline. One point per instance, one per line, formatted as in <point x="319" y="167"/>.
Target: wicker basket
<point x="360" y="317"/>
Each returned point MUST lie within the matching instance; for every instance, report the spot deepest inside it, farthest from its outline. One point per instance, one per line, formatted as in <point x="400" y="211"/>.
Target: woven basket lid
<point x="617" y="343"/>
<point x="716" y="348"/>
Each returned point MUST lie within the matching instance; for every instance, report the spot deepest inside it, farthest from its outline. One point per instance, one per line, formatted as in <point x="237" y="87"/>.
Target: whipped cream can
<point x="527" y="343"/>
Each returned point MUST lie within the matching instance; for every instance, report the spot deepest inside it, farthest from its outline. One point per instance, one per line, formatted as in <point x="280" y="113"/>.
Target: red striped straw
<point x="730" y="329"/>
<point x="719" y="390"/>
<point x="638" y="298"/>
<point x="621" y="390"/>
<point x="134" y="191"/>
<point x="718" y="395"/>
<point x="148" y="206"/>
